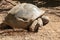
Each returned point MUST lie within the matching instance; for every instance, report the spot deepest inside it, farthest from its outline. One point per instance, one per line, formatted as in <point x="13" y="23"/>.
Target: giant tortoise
<point x="26" y="16"/>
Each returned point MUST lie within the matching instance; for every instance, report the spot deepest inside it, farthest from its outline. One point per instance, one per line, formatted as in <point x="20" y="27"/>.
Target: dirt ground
<point x="51" y="31"/>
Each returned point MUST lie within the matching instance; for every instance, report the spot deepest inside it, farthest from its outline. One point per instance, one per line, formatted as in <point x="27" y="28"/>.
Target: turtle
<point x="26" y="16"/>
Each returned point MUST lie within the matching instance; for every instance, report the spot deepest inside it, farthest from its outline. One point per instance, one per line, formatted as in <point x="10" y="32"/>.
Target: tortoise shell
<point x="26" y="11"/>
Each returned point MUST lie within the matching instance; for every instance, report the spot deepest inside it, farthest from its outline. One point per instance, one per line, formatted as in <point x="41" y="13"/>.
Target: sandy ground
<point x="51" y="31"/>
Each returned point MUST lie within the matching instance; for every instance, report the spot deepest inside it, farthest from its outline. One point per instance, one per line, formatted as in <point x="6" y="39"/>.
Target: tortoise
<point x="26" y="16"/>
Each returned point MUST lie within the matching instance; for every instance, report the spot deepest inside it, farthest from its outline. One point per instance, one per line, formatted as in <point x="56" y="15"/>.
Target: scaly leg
<point x="35" y="25"/>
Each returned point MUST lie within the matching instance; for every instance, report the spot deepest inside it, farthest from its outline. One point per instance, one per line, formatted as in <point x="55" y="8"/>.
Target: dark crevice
<point x="4" y="10"/>
<point x="52" y="4"/>
<point x="4" y="26"/>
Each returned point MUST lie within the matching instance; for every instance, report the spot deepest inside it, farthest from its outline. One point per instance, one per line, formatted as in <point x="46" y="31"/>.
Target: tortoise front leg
<point x="35" y="25"/>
